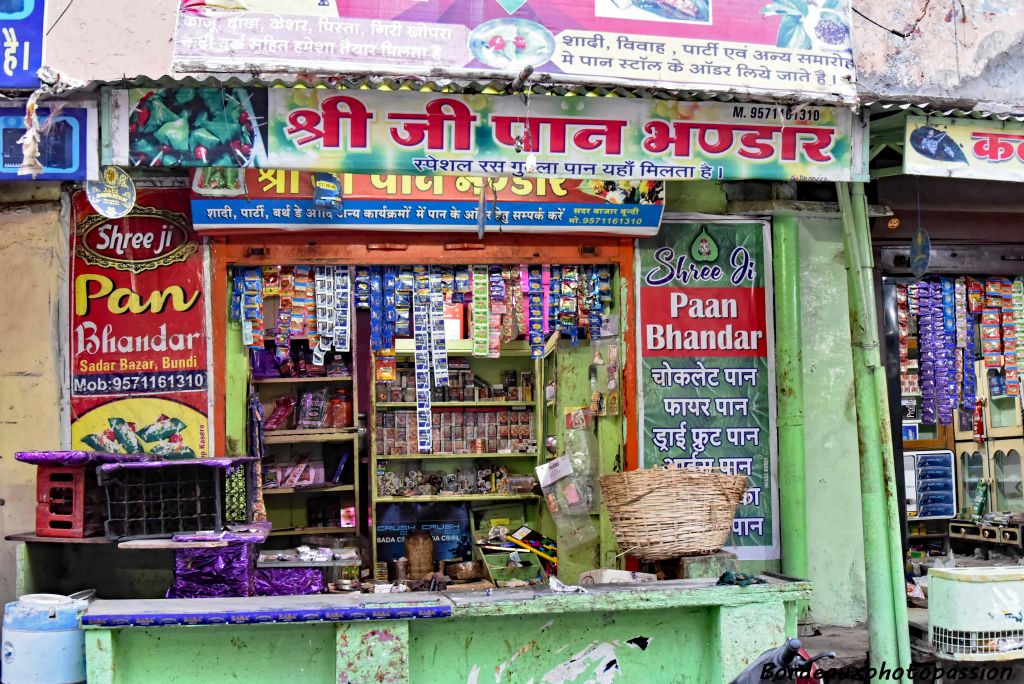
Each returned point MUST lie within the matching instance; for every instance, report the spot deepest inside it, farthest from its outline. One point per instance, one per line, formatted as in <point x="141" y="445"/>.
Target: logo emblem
<point x="704" y="247"/>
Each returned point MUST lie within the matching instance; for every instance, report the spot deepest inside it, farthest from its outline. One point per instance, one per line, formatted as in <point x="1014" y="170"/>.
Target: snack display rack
<point x="514" y="356"/>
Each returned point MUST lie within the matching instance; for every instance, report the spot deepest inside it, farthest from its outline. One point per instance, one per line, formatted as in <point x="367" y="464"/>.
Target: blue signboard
<point x="66" y="144"/>
<point x="21" y="42"/>
<point x="302" y="214"/>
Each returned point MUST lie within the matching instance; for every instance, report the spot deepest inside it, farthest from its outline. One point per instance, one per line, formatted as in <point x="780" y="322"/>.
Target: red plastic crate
<point x="69" y="502"/>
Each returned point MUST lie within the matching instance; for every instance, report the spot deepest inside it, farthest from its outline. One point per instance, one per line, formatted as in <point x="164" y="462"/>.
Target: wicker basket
<point x="660" y="514"/>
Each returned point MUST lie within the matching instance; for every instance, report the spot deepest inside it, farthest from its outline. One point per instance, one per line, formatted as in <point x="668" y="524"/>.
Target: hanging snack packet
<point x="313" y="410"/>
<point x="281" y="417"/>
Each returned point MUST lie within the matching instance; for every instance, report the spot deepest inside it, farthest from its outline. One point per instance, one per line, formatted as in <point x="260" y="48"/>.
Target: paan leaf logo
<point x="704" y="247"/>
<point x="144" y="240"/>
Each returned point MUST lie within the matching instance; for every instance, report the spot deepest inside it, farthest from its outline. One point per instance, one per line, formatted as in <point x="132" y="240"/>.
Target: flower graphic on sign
<point x="811" y="24"/>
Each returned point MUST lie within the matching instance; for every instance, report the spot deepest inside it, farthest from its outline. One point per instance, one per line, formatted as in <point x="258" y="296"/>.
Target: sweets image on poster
<point x="723" y="269"/>
<point x="186" y="433"/>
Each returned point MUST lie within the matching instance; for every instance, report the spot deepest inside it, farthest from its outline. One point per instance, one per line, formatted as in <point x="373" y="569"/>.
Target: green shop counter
<point x="629" y="633"/>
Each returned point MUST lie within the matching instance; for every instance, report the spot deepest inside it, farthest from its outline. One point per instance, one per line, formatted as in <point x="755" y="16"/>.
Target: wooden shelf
<point x="312" y="530"/>
<point x="449" y="457"/>
<point x="300" y="436"/>
<point x="32" y="537"/>
<point x="292" y="381"/>
<point x="456" y="497"/>
<point x="464" y="404"/>
<point x="309" y="490"/>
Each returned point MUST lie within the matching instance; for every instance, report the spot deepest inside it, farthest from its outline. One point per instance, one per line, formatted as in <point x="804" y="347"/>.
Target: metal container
<point x="399" y="569"/>
<point x="42" y="641"/>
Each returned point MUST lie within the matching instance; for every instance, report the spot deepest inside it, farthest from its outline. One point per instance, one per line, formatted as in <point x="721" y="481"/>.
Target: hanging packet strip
<point x="554" y="295"/>
<point x="438" y="345"/>
<point x="1009" y="321"/>
<point x="595" y="304"/>
<point x="498" y="308"/>
<point x="342" y="308"/>
<point x="960" y="312"/>
<point x="323" y="280"/>
<point x="252" y="308"/>
<point x="362" y="287"/>
<point x="535" y="311"/>
<point x="376" y="299"/>
<point x="481" y="310"/>
<point x="282" y="337"/>
<point x="390" y="310"/>
<point x="421" y="337"/>
<point x="237" y="294"/>
<point x="568" y="306"/>
<point x="929" y="314"/>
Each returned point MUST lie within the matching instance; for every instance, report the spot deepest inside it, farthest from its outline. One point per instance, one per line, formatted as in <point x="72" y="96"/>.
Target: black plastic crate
<point x="160" y="499"/>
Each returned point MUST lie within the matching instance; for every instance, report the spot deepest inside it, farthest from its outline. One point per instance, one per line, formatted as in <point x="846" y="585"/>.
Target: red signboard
<point x="138" y="329"/>
<point x="703" y="321"/>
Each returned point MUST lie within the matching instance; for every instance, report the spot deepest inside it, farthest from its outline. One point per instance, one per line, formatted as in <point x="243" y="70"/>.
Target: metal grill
<point x="161" y="502"/>
<point x="957" y="642"/>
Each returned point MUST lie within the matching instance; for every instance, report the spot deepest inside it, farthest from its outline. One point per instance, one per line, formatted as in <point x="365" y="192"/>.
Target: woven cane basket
<point x="660" y="514"/>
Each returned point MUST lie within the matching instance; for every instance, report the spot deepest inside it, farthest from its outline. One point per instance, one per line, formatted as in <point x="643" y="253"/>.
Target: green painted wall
<point x="836" y="545"/>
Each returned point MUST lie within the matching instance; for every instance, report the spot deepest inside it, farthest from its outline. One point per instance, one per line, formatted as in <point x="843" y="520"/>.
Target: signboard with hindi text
<point x="964" y="148"/>
<point x="139" y="374"/>
<point x="413" y="133"/>
<point x="765" y="46"/>
<point x="706" y="359"/>
<point x="248" y="200"/>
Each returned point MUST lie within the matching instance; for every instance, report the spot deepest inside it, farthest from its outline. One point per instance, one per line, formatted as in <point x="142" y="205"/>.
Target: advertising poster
<point x="707" y="364"/>
<point x="138" y="330"/>
<point x="21" y="42"/>
<point x="234" y="199"/>
<point x="448" y="524"/>
<point x="764" y="45"/>
<point x="964" y="148"/>
<point x="413" y="133"/>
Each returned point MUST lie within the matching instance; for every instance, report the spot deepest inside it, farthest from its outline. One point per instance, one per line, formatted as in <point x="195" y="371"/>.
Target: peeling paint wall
<point x="835" y="534"/>
<point x="951" y="52"/>
<point x="32" y="284"/>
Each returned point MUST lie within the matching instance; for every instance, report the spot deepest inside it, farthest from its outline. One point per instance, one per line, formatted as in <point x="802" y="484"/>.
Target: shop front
<point x="952" y="292"/>
<point x="433" y="319"/>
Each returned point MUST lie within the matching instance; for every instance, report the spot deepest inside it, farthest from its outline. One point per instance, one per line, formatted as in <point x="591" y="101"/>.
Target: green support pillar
<point x="790" y="397"/>
<point x="888" y="461"/>
<point x="885" y="591"/>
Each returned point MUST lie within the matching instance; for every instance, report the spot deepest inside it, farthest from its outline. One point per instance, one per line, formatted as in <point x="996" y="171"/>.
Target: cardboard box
<point x="607" y="576"/>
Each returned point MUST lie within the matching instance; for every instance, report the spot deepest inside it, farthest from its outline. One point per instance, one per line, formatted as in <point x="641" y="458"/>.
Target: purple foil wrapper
<point x="254" y="533"/>
<point x="204" y="462"/>
<point x="264" y="364"/>
<point x="289" y="581"/>
<point x="214" y="573"/>
<point x="75" y="458"/>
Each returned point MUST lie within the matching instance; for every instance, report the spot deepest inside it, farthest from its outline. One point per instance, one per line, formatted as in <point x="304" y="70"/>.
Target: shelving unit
<point x="482" y="367"/>
<point x="288" y="508"/>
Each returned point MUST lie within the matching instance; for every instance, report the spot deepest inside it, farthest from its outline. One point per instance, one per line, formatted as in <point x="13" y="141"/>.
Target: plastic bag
<point x="289" y="581"/>
<point x="214" y="573"/>
<point x="567" y="503"/>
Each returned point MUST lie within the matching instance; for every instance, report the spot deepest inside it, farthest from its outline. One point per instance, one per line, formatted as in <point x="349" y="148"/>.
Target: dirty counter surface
<point x="410" y="605"/>
<point x="647" y="632"/>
